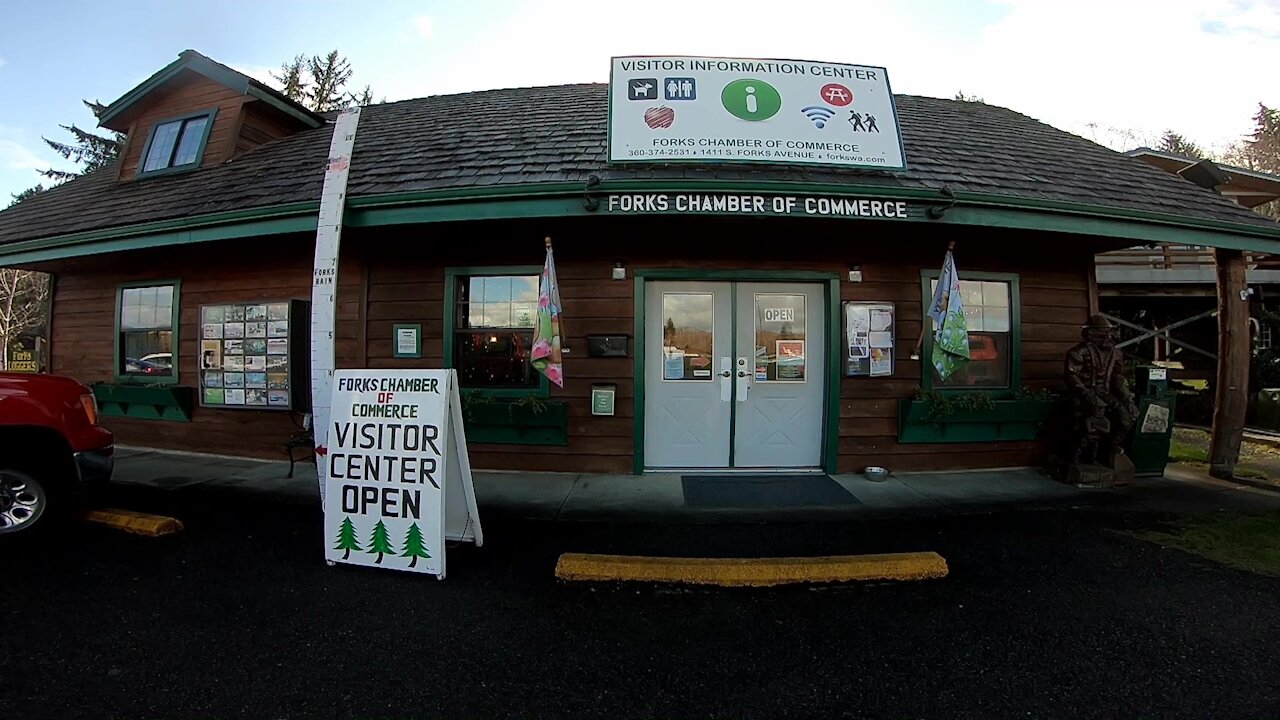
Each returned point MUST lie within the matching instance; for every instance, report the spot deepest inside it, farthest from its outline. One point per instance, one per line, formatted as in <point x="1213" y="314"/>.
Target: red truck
<point x="51" y="446"/>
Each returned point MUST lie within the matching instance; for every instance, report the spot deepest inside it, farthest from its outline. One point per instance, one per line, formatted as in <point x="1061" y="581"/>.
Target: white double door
<point x="734" y="375"/>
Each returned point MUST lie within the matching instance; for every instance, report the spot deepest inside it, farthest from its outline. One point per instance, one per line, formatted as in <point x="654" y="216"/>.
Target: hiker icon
<point x="857" y="120"/>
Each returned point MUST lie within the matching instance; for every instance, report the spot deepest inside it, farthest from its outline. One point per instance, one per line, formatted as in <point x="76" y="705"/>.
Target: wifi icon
<point x="819" y="115"/>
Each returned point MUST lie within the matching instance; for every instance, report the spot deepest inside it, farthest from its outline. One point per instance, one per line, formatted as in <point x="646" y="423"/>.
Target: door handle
<point x="726" y="373"/>
<point x="741" y="373"/>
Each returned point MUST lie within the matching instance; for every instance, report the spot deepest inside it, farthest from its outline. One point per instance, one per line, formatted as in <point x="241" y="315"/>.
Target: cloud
<point x="1148" y="67"/>
<point x="2" y="62"/>
<point x="16" y="156"/>
<point x="425" y="26"/>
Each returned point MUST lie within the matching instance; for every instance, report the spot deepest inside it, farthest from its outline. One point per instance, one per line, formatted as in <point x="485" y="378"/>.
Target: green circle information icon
<point x="751" y="99"/>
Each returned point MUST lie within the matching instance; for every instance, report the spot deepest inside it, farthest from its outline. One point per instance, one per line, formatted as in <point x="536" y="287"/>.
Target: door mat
<point x="750" y="492"/>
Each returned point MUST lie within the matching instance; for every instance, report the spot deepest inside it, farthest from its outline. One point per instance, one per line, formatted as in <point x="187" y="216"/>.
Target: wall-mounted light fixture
<point x="855" y="273"/>
<point x="937" y="211"/>
<point x="619" y="271"/>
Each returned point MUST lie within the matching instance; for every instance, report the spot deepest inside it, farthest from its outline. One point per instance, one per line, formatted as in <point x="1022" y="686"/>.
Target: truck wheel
<point x="23" y="501"/>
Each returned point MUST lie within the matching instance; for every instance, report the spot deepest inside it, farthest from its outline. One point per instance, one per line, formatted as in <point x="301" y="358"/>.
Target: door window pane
<point x="780" y="349"/>
<point x="688" y="336"/>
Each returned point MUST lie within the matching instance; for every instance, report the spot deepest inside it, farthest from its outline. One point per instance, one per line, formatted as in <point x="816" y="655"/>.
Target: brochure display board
<point x="868" y="339"/>
<point x="250" y="355"/>
<point x="398" y="479"/>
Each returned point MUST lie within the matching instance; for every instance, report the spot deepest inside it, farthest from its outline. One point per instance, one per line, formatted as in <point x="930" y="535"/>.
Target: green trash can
<point x="1153" y="428"/>
<point x="1267" y="409"/>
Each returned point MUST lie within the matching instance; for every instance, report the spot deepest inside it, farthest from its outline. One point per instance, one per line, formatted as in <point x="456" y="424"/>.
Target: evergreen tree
<point x="29" y="192"/>
<point x="319" y="82"/>
<point x="347" y="538"/>
<point x="380" y="542"/>
<point x="91" y="152"/>
<point x="1172" y="142"/>
<point x="413" y="545"/>
<point x="292" y="78"/>
<point x="329" y="75"/>
<point x="1263" y="144"/>
<point x="364" y="99"/>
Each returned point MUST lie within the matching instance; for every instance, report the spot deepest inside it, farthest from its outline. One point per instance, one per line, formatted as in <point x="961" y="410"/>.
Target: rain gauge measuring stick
<point x="324" y="282"/>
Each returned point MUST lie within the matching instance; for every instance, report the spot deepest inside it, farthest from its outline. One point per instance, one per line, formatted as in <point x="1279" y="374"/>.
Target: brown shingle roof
<point x="557" y="134"/>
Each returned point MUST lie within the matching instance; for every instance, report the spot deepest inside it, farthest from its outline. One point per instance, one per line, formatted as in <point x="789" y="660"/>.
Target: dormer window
<point x="176" y="144"/>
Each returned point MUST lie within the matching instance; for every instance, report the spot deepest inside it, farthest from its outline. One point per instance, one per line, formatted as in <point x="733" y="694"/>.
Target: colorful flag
<point x="546" y="338"/>
<point x="950" y="336"/>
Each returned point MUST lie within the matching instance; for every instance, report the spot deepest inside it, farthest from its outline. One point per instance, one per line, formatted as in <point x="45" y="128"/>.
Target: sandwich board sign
<point x="399" y="480"/>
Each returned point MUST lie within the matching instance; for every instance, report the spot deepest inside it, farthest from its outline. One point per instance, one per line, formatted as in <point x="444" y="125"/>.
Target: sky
<point x="1114" y="71"/>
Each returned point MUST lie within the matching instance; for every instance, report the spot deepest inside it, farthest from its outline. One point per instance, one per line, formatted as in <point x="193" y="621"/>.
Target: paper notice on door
<point x="880" y="338"/>
<point x="673" y="365"/>
<point x="881" y="362"/>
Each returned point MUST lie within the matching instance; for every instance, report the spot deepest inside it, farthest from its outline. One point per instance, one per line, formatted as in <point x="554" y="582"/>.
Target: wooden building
<point x="182" y="274"/>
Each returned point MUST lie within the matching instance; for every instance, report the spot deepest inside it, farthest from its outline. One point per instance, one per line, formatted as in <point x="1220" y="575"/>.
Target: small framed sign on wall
<point x="406" y="340"/>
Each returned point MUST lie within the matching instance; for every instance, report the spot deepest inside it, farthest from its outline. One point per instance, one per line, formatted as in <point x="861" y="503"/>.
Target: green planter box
<point x="1009" y="420"/>
<point x="502" y="422"/>
<point x="163" y="402"/>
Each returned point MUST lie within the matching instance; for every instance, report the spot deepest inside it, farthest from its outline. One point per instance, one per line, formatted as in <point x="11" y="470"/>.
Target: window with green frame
<point x="147" y="332"/>
<point x="176" y="144"/>
<point x="491" y="314"/>
<point x="991" y="310"/>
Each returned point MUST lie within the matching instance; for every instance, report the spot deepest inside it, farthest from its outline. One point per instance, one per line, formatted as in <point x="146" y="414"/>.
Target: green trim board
<point x="210" y="113"/>
<point x="549" y="200"/>
<point x="831" y="291"/>
<point x="416" y="330"/>
<point x="1015" y="329"/>
<point x="176" y="314"/>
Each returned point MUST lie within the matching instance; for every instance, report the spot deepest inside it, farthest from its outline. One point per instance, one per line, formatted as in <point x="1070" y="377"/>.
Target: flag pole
<point x="924" y="316"/>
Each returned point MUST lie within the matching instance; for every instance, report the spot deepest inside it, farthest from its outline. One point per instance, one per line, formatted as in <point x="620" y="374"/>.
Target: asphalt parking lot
<point x="1047" y="613"/>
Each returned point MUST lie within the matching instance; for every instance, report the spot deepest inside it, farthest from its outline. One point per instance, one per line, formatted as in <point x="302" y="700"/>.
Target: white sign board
<point x="697" y="109"/>
<point x="399" y="480"/>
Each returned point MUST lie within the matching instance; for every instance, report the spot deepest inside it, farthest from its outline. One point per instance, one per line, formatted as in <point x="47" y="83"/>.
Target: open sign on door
<point x="784" y="314"/>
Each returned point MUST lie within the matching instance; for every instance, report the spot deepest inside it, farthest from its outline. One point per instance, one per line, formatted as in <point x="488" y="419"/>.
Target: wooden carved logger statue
<point x="1103" y="409"/>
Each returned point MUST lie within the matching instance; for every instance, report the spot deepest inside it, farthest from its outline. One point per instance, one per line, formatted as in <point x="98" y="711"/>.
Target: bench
<point x="301" y="438"/>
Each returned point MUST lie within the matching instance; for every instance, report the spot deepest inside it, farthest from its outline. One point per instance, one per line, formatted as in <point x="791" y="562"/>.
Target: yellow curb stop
<point x="134" y="522"/>
<point x="752" y="572"/>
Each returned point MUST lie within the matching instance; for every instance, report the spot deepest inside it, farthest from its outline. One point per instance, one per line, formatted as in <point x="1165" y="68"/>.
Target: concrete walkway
<point x="570" y="496"/>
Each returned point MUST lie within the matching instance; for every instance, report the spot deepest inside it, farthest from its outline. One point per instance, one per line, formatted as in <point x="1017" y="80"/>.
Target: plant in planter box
<point x="933" y="416"/>
<point x="527" y="420"/>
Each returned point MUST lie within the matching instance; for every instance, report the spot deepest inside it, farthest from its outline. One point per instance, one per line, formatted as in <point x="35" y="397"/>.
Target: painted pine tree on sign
<point x="413" y="545"/>
<point x="347" y="538"/>
<point x="380" y="542"/>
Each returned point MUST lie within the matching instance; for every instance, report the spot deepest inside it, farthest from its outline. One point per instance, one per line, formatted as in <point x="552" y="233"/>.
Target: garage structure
<point x="706" y="306"/>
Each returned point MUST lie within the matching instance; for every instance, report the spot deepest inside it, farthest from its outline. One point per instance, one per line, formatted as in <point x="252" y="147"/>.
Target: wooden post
<point x="1232" y="393"/>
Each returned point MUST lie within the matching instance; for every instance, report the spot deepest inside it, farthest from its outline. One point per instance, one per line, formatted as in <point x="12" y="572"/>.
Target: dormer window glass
<point x="177" y="144"/>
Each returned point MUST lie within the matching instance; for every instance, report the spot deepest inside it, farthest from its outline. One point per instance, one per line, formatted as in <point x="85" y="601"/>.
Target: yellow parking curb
<point x="135" y="522"/>
<point x="752" y="572"/>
